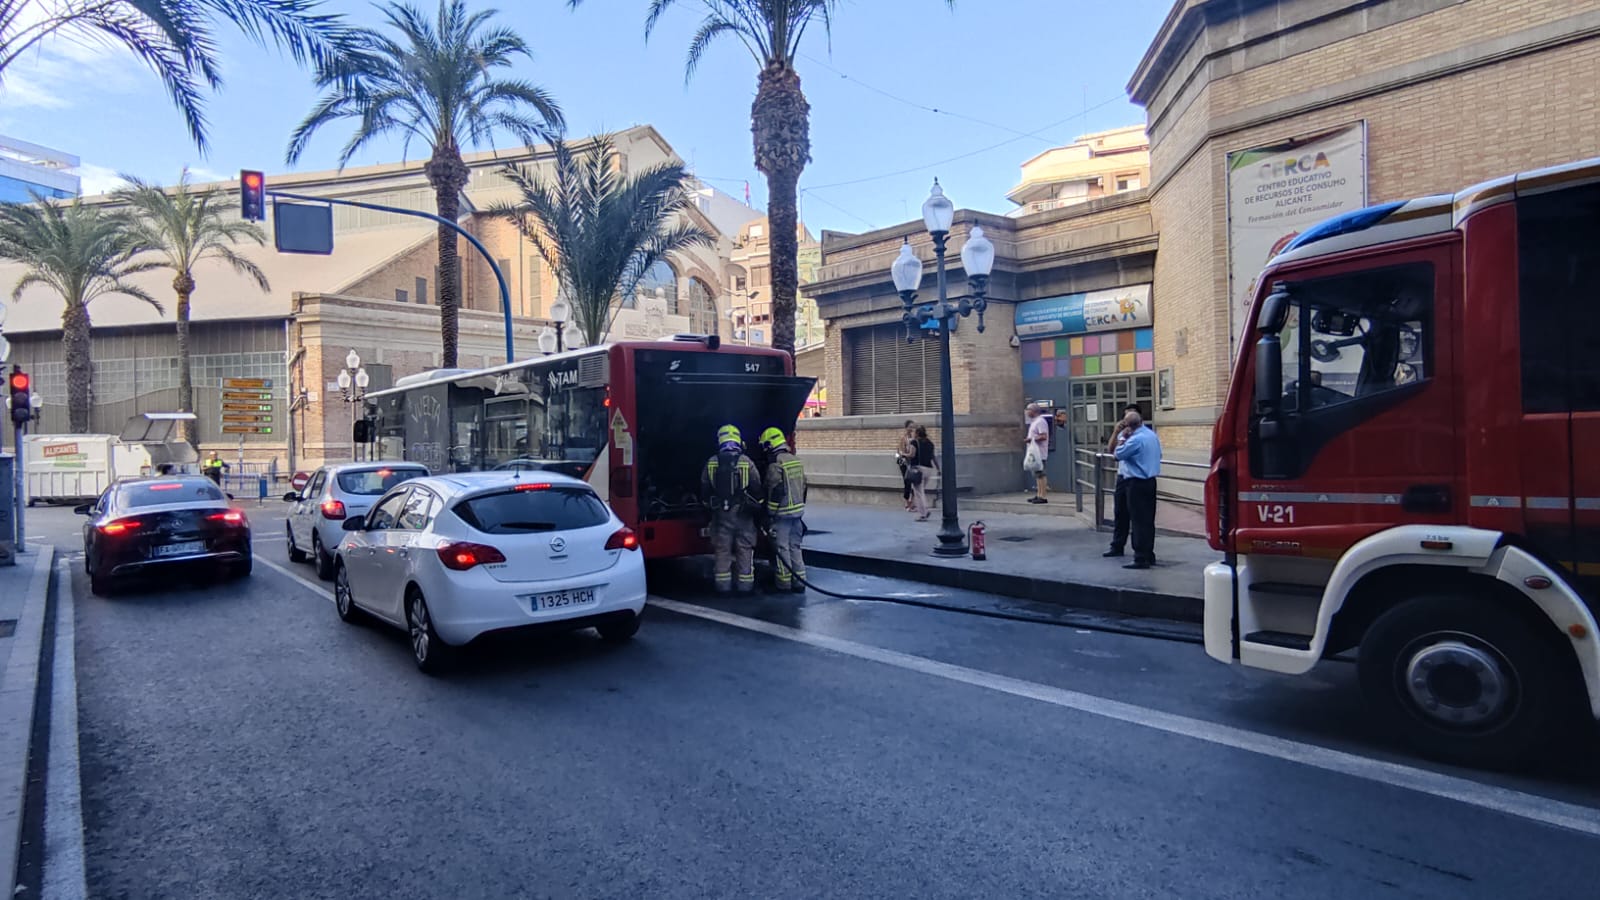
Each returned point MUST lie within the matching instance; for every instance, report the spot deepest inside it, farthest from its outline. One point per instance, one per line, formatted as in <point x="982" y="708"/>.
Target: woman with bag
<point x="923" y="465"/>
<point x="903" y="454"/>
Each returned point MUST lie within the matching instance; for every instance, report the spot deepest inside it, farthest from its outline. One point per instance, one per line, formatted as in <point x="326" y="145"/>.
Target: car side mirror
<point x="84" y="509"/>
<point x="1274" y="310"/>
<point x="291" y="497"/>
<point x="355" y="523"/>
<point x="1269" y="376"/>
<point x="230" y="496"/>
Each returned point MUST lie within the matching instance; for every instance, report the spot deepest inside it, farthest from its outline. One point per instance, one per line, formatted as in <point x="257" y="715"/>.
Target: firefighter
<point x="786" y="505"/>
<point x="213" y="467"/>
<point x="731" y="488"/>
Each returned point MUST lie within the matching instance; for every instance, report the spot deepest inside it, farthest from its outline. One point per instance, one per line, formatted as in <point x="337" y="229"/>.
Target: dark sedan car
<point x="150" y="525"/>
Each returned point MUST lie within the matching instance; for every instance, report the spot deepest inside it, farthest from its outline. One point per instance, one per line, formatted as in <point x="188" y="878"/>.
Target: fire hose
<point x="1067" y="620"/>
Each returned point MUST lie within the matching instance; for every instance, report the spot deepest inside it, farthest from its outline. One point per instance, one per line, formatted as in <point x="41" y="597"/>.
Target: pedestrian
<point x="923" y="465"/>
<point x="1119" y="494"/>
<point x="214" y="467"/>
<point x="731" y="489"/>
<point x="904" y="453"/>
<point x="786" y="507"/>
<point x="1036" y="451"/>
<point x="1138" y="453"/>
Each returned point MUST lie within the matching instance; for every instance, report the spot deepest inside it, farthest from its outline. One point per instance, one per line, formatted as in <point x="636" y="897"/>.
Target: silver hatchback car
<point x="335" y="493"/>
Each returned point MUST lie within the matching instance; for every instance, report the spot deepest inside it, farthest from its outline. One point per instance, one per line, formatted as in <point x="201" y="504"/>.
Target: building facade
<point x="1092" y="166"/>
<point x="28" y="169"/>
<point x="750" y="287"/>
<point x="1267" y="116"/>
<point x="377" y="294"/>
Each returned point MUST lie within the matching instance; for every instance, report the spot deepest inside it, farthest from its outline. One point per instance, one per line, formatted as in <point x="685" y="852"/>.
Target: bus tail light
<point x="460" y="556"/>
<point x="1218" y="493"/>
<point x="622" y="481"/>
<point x="624" y="539"/>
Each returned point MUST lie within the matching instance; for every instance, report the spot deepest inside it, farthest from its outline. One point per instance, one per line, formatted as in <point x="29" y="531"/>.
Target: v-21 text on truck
<point x="1405" y="465"/>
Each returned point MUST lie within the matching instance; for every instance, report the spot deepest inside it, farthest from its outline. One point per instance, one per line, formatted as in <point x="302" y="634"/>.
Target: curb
<point x="18" y="693"/>
<point x="1097" y="597"/>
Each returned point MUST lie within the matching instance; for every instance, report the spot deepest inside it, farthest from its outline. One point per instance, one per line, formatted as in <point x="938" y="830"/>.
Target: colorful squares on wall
<point x="1030" y="351"/>
<point x="1146" y="361"/>
<point x="1108" y="364"/>
<point x="1091" y="344"/>
<point x="1125" y="362"/>
<point x="1077" y="367"/>
<point x="1063" y="348"/>
<point x="1110" y="353"/>
<point x="1047" y="349"/>
<point x="1144" y="339"/>
<point x="1030" y="370"/>
<point x="1091" y="365"/>
<point x="1075" y="346"/>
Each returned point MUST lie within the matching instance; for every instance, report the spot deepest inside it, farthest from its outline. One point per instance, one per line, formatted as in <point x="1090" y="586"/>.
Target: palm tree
<point x="82" y="253"/>
<point x="434" y="82"/>
<point x="183" y="228"/>
<point x="176" y="39"/>
<point x="600" y="230"/>
<point x="779" y="118"/>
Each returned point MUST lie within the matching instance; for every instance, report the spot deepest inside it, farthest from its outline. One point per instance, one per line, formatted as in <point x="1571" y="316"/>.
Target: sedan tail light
<point x="463" y="555"/>
<point x="233" y="517"/>
<point x="333" y="509"/>
<point x="120" y="527"/>
<point x="624" y="539"/>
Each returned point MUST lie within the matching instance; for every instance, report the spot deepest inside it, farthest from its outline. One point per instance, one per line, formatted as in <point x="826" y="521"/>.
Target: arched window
<point x="701" y="308"/>
<point x="659" y="276"/>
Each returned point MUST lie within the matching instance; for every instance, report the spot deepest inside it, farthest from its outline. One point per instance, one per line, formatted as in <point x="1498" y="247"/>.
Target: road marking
<point x="1532" y="807"/>
<point x="64" y="876"/>
<point x="323" y="590"/>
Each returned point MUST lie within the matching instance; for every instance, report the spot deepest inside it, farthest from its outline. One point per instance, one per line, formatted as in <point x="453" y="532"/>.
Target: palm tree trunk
<point x="183" y="284"/>
<point x="780" y="124"/>
<point x="75" y="343"/>
<point x="448" y="173"/>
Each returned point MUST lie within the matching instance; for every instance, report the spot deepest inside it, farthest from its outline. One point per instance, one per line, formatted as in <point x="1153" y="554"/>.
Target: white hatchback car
<point x="451" y="557"/>
<point x="335" y="492"/>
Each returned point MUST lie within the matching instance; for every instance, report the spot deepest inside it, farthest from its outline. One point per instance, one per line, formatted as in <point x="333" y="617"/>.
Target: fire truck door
<point x="1353" y="443"/>
<point x="1558" y="274"/>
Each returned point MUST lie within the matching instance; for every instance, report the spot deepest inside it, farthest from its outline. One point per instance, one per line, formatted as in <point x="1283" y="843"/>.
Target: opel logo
<point x="558" y="545"/>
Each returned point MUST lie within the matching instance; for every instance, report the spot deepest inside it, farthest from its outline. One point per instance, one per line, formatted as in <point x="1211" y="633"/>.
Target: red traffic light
<point x="252" y="195"/>
<point x="20" y="381"/>
<point x="252" y="179"/>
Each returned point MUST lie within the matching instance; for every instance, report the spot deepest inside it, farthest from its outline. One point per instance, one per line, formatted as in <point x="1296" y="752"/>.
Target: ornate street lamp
<point x="353" y="381"/>
<point x="977" y="259"/>
<point x="560" y="311"/>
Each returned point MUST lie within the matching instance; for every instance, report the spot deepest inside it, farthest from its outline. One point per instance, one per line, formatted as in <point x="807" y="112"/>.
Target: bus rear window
<point x="372" y="482"/>
<point x="526" y="511"/>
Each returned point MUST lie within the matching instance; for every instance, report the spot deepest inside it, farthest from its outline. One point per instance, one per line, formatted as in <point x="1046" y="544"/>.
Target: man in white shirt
<point x="1038" y="443"/>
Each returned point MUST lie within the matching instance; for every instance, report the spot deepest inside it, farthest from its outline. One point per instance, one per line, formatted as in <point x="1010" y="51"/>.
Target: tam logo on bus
<point x="563" y="379"/>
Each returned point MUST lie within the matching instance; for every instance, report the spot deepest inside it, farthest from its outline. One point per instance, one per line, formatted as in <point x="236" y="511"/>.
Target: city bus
<point x="637" y="420"/>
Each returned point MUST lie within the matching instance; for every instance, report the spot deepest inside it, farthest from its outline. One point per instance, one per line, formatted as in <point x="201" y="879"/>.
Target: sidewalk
<point x="1172" y="519"/>
<point x="24" y="590"/>
<point x="1054" y="559"/>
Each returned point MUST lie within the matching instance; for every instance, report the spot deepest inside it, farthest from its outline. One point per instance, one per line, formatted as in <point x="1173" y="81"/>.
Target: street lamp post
<point x="353" y="381"/>
<point x="977" y="259"/>
<point x="553" y="340"/>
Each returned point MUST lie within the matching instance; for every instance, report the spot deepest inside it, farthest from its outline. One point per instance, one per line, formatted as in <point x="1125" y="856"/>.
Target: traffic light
<point x="21" y="396"/>
<point x="253" y="195"/>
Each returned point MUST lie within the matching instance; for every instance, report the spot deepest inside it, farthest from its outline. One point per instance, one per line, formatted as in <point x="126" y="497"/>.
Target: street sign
<point x="247" y="406"/>
<point x="247" y="429"/>
<point x="300" y="480"/>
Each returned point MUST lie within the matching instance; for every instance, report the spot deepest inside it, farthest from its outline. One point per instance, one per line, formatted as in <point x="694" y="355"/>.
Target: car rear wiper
<point x="530" y="526"/>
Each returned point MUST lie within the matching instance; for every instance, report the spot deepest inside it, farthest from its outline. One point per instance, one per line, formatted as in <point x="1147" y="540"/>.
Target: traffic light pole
<point x="17" y="503"/>
<point x="499" y="276"/>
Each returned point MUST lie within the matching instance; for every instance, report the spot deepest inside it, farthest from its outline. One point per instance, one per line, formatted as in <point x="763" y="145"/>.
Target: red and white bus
<point x="635" y="420"/>
<point x="1406" y="463"/>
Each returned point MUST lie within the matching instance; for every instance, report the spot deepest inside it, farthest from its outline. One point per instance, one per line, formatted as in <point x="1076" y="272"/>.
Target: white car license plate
<point x="567" y="599"/>
<point x="182" y="549"/>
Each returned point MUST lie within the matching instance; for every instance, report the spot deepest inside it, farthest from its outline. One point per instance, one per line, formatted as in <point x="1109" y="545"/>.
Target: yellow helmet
<point x="729" y="434"/>
<point x="773" y="439"/>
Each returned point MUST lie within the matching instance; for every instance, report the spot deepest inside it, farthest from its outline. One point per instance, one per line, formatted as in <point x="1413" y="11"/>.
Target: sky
<point x="905" y="90"/>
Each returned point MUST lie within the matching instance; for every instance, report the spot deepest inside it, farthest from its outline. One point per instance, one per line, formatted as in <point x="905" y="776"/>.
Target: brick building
<point x="1264" y="116"/>
<point x="377" y="293"/>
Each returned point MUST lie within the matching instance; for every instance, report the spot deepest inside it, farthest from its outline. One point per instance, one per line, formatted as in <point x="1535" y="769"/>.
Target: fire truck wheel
<point x="1465" y="679"/>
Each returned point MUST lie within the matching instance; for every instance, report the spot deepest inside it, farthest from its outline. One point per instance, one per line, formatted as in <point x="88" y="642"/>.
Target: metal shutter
<point x="888" y="375"/>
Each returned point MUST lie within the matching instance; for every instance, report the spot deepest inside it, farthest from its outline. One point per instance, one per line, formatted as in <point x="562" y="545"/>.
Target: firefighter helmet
<point x="729" y="434"/>
<point x="773" y="439"/>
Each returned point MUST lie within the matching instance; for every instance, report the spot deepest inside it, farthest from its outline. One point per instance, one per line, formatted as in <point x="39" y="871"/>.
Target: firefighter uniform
<point x="786" y="507"/>
<point x="733" y="500"/>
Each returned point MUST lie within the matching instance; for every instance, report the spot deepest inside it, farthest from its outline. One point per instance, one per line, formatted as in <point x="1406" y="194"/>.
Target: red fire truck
<point x="1406" y="465"/>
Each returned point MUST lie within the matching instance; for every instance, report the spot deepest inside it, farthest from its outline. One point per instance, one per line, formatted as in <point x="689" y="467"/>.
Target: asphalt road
<point x="237" y="740"/>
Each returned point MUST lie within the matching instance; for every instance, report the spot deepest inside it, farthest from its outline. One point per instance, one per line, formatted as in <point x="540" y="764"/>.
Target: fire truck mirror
<point x="1269" y="376"/>
<point x="1274" y="310"/>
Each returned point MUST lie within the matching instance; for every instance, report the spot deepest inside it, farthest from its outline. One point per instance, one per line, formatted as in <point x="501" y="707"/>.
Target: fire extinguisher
<point x="975" y="538"/>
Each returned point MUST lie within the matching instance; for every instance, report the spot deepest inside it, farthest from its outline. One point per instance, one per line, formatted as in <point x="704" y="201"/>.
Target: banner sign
<point x="1109" y="310"/>
<point x="1279" y="190"/>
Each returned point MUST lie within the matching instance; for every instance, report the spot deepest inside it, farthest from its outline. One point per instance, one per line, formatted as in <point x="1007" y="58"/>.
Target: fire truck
<point x="1407" y="465"/>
